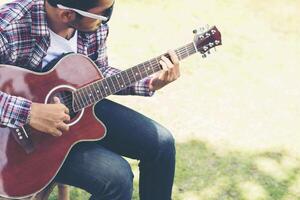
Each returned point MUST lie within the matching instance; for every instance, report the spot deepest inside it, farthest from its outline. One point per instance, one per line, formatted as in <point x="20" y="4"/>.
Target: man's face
<point x="86" y="24"/>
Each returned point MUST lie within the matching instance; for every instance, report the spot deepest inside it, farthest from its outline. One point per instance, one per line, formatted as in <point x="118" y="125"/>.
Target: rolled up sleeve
<point x="14" y="110"/>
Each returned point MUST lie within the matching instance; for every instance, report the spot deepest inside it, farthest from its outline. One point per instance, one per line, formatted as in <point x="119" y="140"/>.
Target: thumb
<point x="56" y="100"/>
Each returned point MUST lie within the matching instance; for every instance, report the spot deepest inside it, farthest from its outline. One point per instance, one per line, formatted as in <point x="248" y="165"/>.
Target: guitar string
<point x="181" y="53"/>
<point x="67" y="99"/>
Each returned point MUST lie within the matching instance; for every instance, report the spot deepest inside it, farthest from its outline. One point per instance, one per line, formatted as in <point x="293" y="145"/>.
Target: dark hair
<point x="78" y="4"/>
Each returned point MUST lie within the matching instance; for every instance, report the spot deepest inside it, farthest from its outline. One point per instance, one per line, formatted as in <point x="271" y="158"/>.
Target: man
<point x="34" y="32"/>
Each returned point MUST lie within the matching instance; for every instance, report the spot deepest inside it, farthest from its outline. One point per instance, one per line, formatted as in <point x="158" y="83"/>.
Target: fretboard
<point x="98" y="90"/>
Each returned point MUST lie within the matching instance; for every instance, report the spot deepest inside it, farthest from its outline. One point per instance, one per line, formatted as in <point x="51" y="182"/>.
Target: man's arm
<point x="15" y="111"/>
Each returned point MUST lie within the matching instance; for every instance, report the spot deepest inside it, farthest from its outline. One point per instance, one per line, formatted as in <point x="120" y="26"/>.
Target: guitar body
<point x="30" y="159"/>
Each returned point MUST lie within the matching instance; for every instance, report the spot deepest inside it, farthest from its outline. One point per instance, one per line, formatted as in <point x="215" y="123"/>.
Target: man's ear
<point x="67" y="16"/>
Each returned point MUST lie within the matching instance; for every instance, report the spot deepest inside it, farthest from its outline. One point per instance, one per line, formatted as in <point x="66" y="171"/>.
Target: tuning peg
<point x="201" y="37"/>
<point x="195" y="31"/>
<point x="207" y="34"/>
<point x="215" y="49"/>
<point x="208" y="52"/>
<point x="204" y="55"/>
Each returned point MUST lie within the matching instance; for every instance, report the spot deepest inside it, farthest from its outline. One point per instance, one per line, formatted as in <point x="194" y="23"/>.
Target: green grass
<point x="203" y="172"/>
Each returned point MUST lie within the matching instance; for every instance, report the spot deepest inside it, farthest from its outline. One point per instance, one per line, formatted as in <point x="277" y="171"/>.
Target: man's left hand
<point x="169" y="73"/>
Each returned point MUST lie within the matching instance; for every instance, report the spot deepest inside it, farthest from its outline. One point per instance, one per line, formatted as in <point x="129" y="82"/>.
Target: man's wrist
<point x="150" y="85"/>
<point x="27" y="122"/>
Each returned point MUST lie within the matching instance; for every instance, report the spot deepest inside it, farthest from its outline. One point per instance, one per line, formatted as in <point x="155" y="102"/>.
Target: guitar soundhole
<point x="66" y="98"/>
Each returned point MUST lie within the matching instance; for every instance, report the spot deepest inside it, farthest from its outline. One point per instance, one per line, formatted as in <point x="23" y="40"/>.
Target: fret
<point x="137" y="73"/>
<point x="142" y="69"/>
<point x="132" y="75"/>
<point x="95" y="93"/>
<point x="149" y="68"/>
<point x="158" y="66"/>
<point x="128" y="75"/>
<point x="106" y="86"/>
<point x="188" y="51"/>
<point x="145" y="71"/>
<point x="178" y="54"/>
<point x="123" y="83"/>
<point x="77" y="103"/>
<point x="86" y="96"/>
<point x="192" y="47"/>
<point x="115" y="82"/>
<point x="129" y="80"/>
<point x="184" y="53"/>
<point x="120" y="80"/>
<point x="91" y="94"/>
<point x="102" y="89"/>
<point x="82" y="97"/>
<point x="111" y="85"/>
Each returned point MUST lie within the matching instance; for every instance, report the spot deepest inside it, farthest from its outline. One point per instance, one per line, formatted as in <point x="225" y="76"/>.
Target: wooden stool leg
<point x="44" y="194"/>
<point x="63" y="192"/>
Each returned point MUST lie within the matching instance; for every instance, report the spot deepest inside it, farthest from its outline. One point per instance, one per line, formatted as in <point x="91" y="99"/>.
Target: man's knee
<point x="166" y="141"/>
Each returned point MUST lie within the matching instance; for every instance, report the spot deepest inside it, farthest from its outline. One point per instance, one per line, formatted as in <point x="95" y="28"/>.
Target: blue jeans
<point x="99" y="168"/>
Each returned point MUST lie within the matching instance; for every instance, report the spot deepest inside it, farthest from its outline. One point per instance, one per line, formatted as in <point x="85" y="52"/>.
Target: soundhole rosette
<point x="64" y="93"/>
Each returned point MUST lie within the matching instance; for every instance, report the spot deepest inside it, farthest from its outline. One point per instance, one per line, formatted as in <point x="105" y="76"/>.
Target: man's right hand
<point x="50" y="118"/>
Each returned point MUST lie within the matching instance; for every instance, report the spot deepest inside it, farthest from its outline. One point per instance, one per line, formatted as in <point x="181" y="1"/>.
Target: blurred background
<point x="235" y="115"/>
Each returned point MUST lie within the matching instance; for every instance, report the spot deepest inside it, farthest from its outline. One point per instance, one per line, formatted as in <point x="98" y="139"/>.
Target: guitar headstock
<point x="204" y="41"/>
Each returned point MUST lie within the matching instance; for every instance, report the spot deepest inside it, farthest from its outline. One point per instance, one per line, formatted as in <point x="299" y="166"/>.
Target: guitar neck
<point x="94" y="92"/>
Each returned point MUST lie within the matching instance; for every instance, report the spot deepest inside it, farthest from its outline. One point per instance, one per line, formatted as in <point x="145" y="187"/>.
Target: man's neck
<point x="55" y="24"/>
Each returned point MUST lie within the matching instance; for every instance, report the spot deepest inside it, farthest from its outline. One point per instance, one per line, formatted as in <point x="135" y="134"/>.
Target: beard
<point x="77" y="25"/>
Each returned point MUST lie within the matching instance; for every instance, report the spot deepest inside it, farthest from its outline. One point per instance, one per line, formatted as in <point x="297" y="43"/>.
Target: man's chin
<point x="88" y="31"/>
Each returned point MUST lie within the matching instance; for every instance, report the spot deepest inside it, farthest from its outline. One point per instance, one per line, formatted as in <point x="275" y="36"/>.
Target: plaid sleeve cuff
<point x="142" y="88"/>
<point x="14" y="111"/>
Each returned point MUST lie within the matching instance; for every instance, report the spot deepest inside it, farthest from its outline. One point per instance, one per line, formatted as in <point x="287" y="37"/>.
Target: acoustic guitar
<point x="29" y="159"/>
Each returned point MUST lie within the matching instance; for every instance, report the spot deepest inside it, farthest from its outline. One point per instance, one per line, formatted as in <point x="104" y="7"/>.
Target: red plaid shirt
<point x="24" y="41"/>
